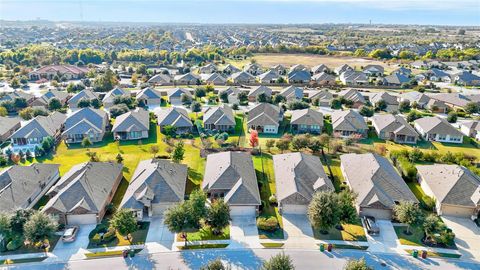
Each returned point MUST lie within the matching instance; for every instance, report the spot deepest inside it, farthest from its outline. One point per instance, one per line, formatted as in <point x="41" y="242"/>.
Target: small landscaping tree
<point x="348" y="213"/>
<point x="283" y="144"/>
<point x="124" y="222"/>
<point x="323" y="210"/>
<point x="196" y="107"/>
<point x="300" y="142"/>
<point x="315" y="145"/>
<point x="197" y="207"/>
<point x="39" y="226"/>
<point x="19" y="218"/>
<point x="178" y="220"/>
<point x="5" y="224"/>
<point x="119" y="158"/>
<point x="215" y="265"/>
<point x="218" y="216"/>
<point x="280" y="261"/>
<point x="430" y="226"/>
<point x="154" y="150"/>
<point x="452" y="117"/>
<point x="253" y="141"/>
<point x="54" y="104"/>
<point x="86" y="142"/>
<point x="269" y="144"/>
<point x="359" y="264"/>
<point x="366" y="111"/>
<point x="409" y="213"/>
<point x="178" y="152"/>
<point x="404" y="106"/>
<point x="224" y="96"/>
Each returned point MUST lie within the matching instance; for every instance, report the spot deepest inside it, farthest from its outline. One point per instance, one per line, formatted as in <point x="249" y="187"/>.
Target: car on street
<point x="70" y="234"/>
<point x="371" y="225"/>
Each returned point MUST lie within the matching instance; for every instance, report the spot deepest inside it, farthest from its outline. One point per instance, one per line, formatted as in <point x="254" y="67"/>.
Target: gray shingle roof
<point x="353" y="95"/>
<point x="173" y="116"/>
<point x="41" y="126"/>
<point x="86" y="119"/>
<point x="138" y="120"/>
<point x="20" y="183"/>
<point x="264" y="114"/>
<point x="299" y="173"/>
<point x="220" y="115"/>
<point x="178" y="92"/>
<point x="112" y="94"/>
<point x="348" y="120"/>
<point x="452" y="184"/>
<point x="388" y="98"/>
<point x="292" y="92"/>
<point x="157" y="181"/>
<point x="149" y="93"/>
<point x="306" y="117"/>
<point x="262" y="89"/>
<point x="232" y="171"/>
<point x="437" y="125"/>
<point x="375" y="180"/>
<point x="393" y="123"/>
<point x="87" y="185"/>
<point x="7" y="123"/>
<point x="84" y="94"/>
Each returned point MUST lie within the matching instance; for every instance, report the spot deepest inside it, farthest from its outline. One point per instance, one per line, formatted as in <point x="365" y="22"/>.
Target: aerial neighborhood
<point x="141" y="156"/>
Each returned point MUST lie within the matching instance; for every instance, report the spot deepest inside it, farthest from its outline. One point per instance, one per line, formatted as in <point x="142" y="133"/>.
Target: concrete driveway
<point x="467" y="236"/>
<point x="244" y="232"/>
<point x="298" y="231"/>
<point x="76" y="249"/>
<point x="386" y="241"/>
<point x="159" y="237"/>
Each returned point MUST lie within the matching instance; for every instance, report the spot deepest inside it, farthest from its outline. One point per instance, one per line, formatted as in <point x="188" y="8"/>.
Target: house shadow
<point x="141" y="262"/>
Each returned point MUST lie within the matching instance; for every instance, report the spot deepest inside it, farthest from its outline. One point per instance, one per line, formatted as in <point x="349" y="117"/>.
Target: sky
<point x="431" y="12"/>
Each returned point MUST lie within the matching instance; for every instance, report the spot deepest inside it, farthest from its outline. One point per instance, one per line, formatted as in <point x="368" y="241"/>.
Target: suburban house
<point x="21" y="187"/>
<point x="156" y="185"/>
<point x="82" y="95"/>
<point x="219" y="118"/>
<point x="341" y="69"/>
<point x="257" y="91"/>
<point x="230" y="69"/>
<point x="319" y="69"/>
<point x="17" y="94"/>
<point x="297" y="67"/>
<point x="436" y="106"/>
<point x="390" y="100"/>
<point x="231" y="176"/>
<point x="69" y="72"/>
<point x="268" y="77"/>
<point x="175" y="117"/>
<point x="264" y="118"/>
<point x="297" y="177"/>
<point x="324" y="78"/>
<point x="8" y="126"/>
<point x="456" y="189"/>
<point x="149" y="97"/>
<point x="437" y="75"/>
<point x="207" y="69"/>
<point x="299" y="76"/>
<point x="242" y="77"/>
<point x="456" y="100"/>
<point x="351" y="77"/>
<point x="86" y="123"/>
<point x="373" y="70"/>
<point x="160" y="79"/>
<point x="213" y="78"/>
<point x="187" y="79"/>
<point x="419" y="98"/>
<point x="376" y="182"/>
<point x="354" y="96"/>
<point x="466" y="78"/>
<point x="306" y="121"/>
<point x="396" y="79"/>
<point x="83" y="194"/>
<point x="133" y="125"/>
<point x="470" y="129"/>
<point x="437" y="129"/>
<point x="109" y="98"/>
<point x="420" y="64"/>
<point x="32" y="133"/>
<point x="253" y="69"/>
<point x="403" y="70"/>
<point x="44" y="100"/>
<point x="175" y="95"/>
<point x="280" y="69"/>
<point x="394" y="128"/>
<point x="324" y="98"/>
<point x="291" y="93"/>
<point x="232" y="94"/>
<point x="349" y="123"/>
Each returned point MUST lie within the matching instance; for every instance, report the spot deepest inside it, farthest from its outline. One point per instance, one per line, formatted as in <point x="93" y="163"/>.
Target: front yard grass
<point x="272" y="245"/>
<point x="25" y="249"/>
<point x="205" y="233"/>
<point x="26" y="260"/>
<point x="350" y="232"/>
<point x="415" y="239"/>
<point x="113" y="253"/>
<point x="203" y="246"/>
<point x="138" y="236"/>
<point x="264" y="169"/>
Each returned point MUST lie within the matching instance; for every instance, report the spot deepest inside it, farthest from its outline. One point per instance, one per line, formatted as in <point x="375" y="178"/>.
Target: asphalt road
<point x="252" y="259"/>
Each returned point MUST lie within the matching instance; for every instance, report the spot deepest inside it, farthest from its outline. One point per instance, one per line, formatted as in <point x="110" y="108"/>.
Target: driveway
<point x="467" y="236"/>
<point x="74" y="250"/>
<point x="298" y="231"/>
<point x="387" y="241"/>
<point x="159" y="237"/>
<point x="244" y="232"/>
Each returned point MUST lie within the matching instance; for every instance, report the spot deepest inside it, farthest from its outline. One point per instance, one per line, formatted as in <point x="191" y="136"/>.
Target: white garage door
<point x="158" y="209"/>
<point x="376" y="213"/>
<point x="294" y="209"/>
<point x="456" y="211"/>
<point x="242" y="210"/>
<point x="81" y="219"/>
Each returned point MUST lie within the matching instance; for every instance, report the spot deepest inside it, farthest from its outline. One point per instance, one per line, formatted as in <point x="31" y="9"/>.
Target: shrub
<point x="267" y="224"/>
<point x="109" y="235"/>
<point x="427" y="203"/>
<point x="272" y="199"/>
<point x="445" y="237"/>
<point x="96" y="239"/>
<point x="408" y="170"/>
<point x="14" y="244"/>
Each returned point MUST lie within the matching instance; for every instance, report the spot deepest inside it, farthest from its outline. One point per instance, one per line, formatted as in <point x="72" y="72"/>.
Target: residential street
<point x="252" y="259"/>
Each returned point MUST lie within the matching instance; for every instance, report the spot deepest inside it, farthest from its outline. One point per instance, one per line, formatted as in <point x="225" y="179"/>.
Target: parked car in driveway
<point x="70" y="234"/>
<point x="371" y="225"/>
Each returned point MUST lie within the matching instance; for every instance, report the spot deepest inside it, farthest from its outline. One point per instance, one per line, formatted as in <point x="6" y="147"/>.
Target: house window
<point x="442" y="137"/>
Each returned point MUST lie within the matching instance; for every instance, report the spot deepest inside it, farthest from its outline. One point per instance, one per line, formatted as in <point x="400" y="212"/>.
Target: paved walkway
<point x="244" y="232"/>
<point x="74" y="250"/>
<point x="298" y="231"/>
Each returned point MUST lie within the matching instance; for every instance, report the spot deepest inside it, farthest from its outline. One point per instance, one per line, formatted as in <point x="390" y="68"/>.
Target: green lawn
<point x="203" y="246"/>
<point x="25" y="249"/>
<point x="350" y="232"/>
<point x="334" y="163"/>
<point x="114" y="253"/>
<point x="264" y="168"/>
<point x="417" y="191"/>
<point x="415" y="239"/>
<point x="437" y="254"/>
<point x="17" y="261"/>
<point x="272" y="245"/>
<point x="138" y="237"/>
<point x="206" y="233"/>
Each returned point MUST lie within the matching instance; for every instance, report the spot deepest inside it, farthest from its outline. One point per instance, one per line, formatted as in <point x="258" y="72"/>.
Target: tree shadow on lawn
<point x="239" y="259"/>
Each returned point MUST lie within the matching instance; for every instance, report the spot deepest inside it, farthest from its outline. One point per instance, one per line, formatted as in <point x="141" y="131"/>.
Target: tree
<point x="452" y="117"/>
<point x="39" y="226"/>
<point x="336" y="103"/>
<point x="178" y="152"/>
<point x="430" y="226"/>
<point x="215" y="265"/>
<point x="404" y="106"/>
<point x="105" y="82"/>
<point x="323" y="210"/>
<point x="196" y="107"/>
<point x="124" y="222"/>
<point x="3" y="111"/>
<point x="324" y="139"/>
<point x="15" y="83"/>
<point x="218" y="216"/>
<point x="283" y="144"/>
<point x="359" y="264"/>
<point x="278" y="98"/>
<point x="242" y="97"/>
<point x="381" y="105"/>
<point x="96" y="103"/>
<point x="196" y="204"/>
<point x="5" y="224"/>
<point x="472" y="107"/>
<point x="19" y="218"/>
<point x="154" y="150"/>
<point x="26" y="114"/>
<point x="54" y="104"/>
<point x="366" y="111"/>
<point x="413" y="115"/>
<point x="348" y="213"/>
<point x="185" y="99"/>
<point x="298" y="105"/>
<point x="280" y="261"/>
<point x="223" y="96"/>
<point x="118" y="109"/>
<point x="178" y="219"/>
<point x="262" y="98"/>
<point x="83" y="103"/>
<point x="200" y="92"/>
<point x="409" y="213"/>
<point x="253" y="140"/>
<point x="300" y="142"/>
<point x="119" y="158"/>
<point x="269" y="144"/>
<point x="315" y="145"/>
<point x="86" y="142"/>
<point x="48" y="143"/>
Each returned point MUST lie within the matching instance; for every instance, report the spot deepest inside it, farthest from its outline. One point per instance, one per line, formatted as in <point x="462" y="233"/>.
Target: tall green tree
<point x="178" y="152"/>
<point x="279" y="261"/>
<point x="409" y="213"/>
<point x="39" y="226"/>
<point x="218" y="216"/>
<point x="124" y="222"/>
<point x="323" y="211"/>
